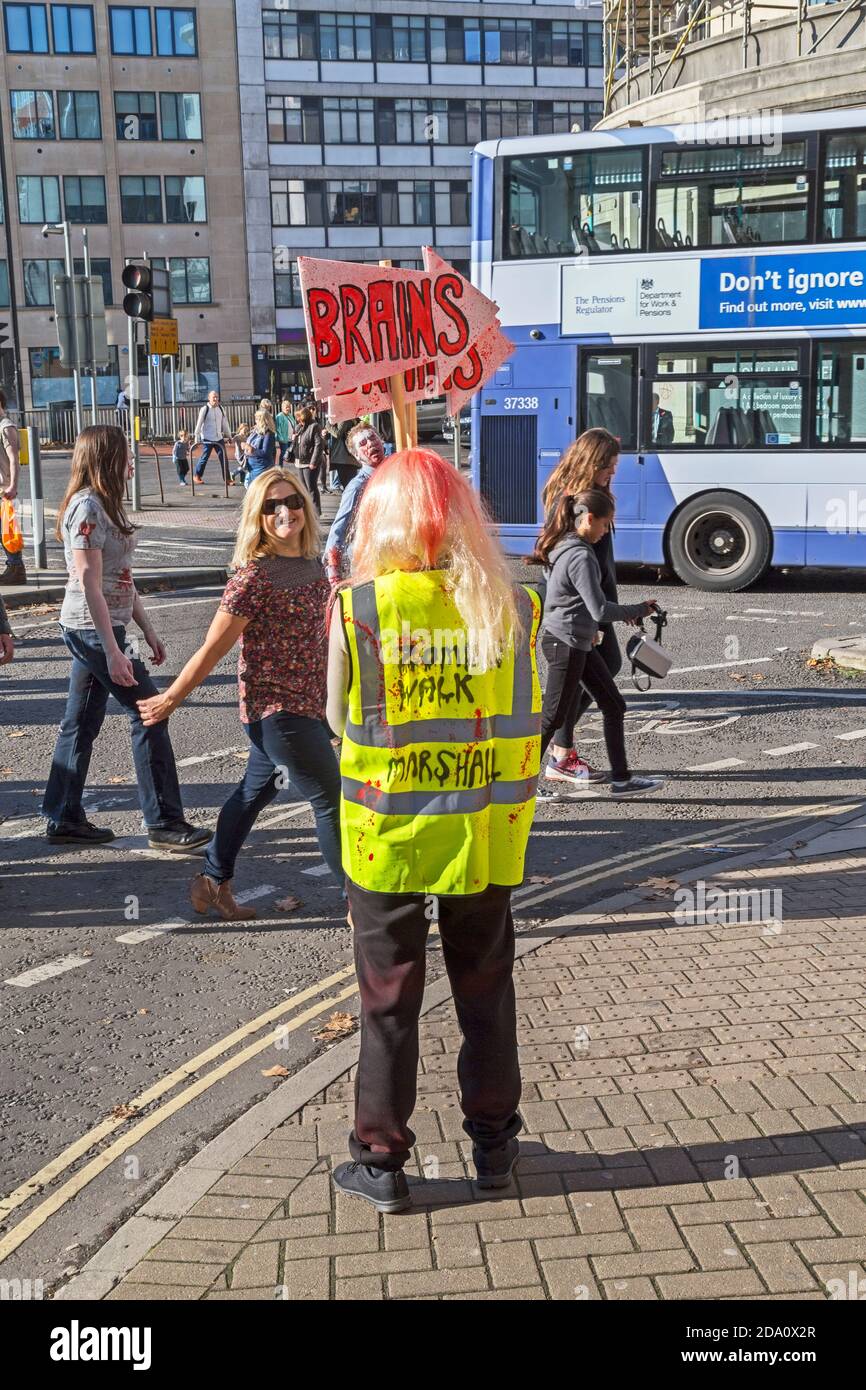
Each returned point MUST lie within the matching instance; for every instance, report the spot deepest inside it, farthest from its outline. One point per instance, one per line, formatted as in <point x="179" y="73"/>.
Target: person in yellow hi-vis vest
<point x="433" y="684"/>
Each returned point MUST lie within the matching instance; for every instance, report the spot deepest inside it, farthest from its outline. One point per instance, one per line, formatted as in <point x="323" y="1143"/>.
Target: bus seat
<point x="589" y="239"/>
<point x="526" y="245"/>
<point x="662" y="235"/>
<point x="539" y="244"/>
<point x="514" y="240"/>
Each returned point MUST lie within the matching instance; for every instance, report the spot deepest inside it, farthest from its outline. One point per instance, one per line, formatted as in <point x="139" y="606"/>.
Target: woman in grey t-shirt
<point x="99" y="603"/>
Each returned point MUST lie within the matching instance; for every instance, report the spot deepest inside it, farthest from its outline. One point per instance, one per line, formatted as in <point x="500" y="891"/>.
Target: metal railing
<point x="56" y="423"/>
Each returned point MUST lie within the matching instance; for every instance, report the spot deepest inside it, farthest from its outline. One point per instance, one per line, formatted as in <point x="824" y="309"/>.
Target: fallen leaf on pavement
<point x="115" y="781"/>
<point x="288" y="904"/>
<point x="660" y="884"/>
<point x="277" y="1071"/>
<point x="540" y="878"/>
<point x="339" y="1025"/>
<point x="737" y="678"/>
<point x="5" y="771"/>
<point x="18" y="733"/>
<point x="123" y="1112"/>
<point x="144" y="1011"/>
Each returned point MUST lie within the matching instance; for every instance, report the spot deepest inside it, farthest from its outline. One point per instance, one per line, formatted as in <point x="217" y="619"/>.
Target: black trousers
<point x="608" y="650"/>
<point x="568" y="672"/>
<point x="390" y="939"/>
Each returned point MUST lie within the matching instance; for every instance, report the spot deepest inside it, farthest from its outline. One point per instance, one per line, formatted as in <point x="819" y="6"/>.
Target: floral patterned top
<point x="284" y="648"/>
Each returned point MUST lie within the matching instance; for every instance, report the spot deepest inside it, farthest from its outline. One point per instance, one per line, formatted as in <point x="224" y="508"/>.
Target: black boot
<point x="77" y="833"/>
<point x="13" y="574"/>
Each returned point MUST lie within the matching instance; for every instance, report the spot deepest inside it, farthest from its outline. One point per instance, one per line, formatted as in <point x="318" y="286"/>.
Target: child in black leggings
<point x="574" y="608"/>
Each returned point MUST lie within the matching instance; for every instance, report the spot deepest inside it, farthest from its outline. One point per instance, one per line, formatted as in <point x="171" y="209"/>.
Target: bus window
<point x="731" y="196"/>
<point x="726" y="398"/>
<point x="610" y="394"/>
<point x="840" y="393"/>
<point x="590" y="203"/>
<point x="844" y="205"/>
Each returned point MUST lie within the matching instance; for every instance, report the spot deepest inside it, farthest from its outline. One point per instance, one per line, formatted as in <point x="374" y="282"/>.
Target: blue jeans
<point x="293" y="745"/>
<point x="207" y="450"/>
<point x="89" y="688"/>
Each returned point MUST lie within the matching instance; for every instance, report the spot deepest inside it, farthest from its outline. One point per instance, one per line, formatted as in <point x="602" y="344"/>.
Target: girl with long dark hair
<point x="100" y="602"/>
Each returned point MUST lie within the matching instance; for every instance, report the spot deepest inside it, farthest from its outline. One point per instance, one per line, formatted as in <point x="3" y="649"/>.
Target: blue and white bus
<point x="703" y="296"/>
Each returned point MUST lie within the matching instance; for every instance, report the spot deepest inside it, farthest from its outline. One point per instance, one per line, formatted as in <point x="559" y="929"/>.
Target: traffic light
<point x="149" y="294"/>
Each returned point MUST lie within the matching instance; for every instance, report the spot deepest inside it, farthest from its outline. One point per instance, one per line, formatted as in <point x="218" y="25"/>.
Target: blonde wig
<point x="252" y="541"/>
<point x="418" y="513"/>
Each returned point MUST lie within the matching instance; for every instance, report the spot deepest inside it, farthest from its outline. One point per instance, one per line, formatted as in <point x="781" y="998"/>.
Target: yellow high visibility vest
<point x="439" y="762"/>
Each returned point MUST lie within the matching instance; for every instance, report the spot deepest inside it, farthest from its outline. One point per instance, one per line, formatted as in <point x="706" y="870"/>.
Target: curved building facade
<point x="668" y="62"/>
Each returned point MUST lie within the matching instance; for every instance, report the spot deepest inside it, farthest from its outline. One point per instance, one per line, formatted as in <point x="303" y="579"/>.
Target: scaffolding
<point x="645" y="39"/>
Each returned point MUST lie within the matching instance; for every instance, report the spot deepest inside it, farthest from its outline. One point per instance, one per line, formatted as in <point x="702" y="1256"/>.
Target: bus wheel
<point x="719" y="541"/>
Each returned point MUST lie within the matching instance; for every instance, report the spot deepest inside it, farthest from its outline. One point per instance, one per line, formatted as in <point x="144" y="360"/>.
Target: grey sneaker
<point x="387" y="1191"/>
<point x="636" y="786"/>
<point x="495" y="1166"/>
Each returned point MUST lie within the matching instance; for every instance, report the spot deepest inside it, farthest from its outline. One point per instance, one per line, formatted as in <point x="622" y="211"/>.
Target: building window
<point x="78" y="116"/>
<point x="294" y="120"/>
<point x="345" y="36"/>
<point x="38" y="198"/>
<point x="406" y="203"/>
<point x="39" y="279"/>
<point x="180" y="113"/>
<point x="135" y="115"/>
<point x="26" y="28"/>
<point x="401" y="38"/>
<point x="289" y="35"/>
<point x="140" y="198"/>
<point x="190" y="279"/>
<point x="175" y="33"/>
<point x="455" y="121"/>
<point x="508" y="41"/>
<point x="287" y="287"/>
<point x="562" y="117"/>
<point x="567" y="43"/>
<point x="405" y="121"/>
<point x="349" y="120"/>
<point x="51" y="382"/>
<point x="72" y="27"/>
<point x="296" y="203"/>
<point x="32" y="115"/>
<point x="352" y="203"/>
<point x="4" y="285"/>
<point x="452" y="203"/>
<point x="507" y="117"/>
<point x="185" y="199"/>
<point x="84" y="197"/>
<point x="455" y="40"/>
<point x="130" y="30"/>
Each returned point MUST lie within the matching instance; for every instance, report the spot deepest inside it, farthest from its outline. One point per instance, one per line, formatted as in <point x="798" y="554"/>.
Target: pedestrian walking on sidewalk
<point x="260" y="448"/>
<point x="309" y="451"/>
<point x="274" y="605"/>
<point x="99" y="603"/>
<point x="574" y="608"/>
<point x="590" y="462"/>
<point x="285" y="422"/>
<point x="212" y="432"/>
<point x="343" y="464"/>
<point x="365" y="446"/>
<point x="439" y="764"/>
<point x="180" y="456"/>
<point x="14" y="571"/>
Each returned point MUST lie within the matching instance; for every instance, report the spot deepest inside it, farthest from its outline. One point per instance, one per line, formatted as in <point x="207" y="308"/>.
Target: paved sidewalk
<point x="695" y="1109"/>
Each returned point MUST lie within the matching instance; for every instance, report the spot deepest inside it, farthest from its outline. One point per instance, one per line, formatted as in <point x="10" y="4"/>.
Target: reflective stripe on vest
<point x="444" y="803"/>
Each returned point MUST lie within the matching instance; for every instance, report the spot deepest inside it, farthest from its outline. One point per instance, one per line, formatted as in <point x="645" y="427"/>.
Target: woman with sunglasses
<point x="274" y="605"/>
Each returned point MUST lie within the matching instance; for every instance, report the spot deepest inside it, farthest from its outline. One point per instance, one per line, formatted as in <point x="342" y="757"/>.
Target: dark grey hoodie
<point x="575" y="604"/>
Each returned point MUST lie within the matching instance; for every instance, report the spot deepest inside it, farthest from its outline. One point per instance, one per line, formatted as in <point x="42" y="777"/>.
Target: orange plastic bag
<point x="13" y="540"/>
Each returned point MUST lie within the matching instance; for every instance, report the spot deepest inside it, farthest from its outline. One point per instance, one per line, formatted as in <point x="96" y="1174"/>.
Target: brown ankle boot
<point x="205" y="894"/>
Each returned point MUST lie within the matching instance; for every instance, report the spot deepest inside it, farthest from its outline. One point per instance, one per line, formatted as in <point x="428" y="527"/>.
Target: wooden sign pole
<point x="403" y="412"/>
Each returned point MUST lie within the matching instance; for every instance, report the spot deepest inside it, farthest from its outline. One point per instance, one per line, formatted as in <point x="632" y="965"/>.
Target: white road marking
<point x="47" y="971"/>
<point x="181" y="603"/>
<point x="716" y="766"/>
<point x="317" y="871"/>
<point x="789" y="748"/>
<point x="281" y="815"/>
<point x="134" y="938"/>
<point x="250" y="894"/>
<point x="719" y="666"/>
<point x="855" y="733"/>
<point x="209" y="757"/>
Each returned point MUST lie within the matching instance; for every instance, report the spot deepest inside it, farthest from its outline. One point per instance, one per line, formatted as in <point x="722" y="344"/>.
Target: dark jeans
<point x="567" y="670"/>
<point x="390" y="938"/>
<point x="346" y="472"/>
<point x="208" y="448"/>
<point x="89" y="688"/>
<point x="301" y="750"/>
<point x="284" y="449"/>
<point x="311" y="478"/>
<point x="608" y="650"/>
<point x="182" y="466"/>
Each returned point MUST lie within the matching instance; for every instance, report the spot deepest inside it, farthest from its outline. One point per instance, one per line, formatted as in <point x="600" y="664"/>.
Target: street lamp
<point x="63" y="229"/>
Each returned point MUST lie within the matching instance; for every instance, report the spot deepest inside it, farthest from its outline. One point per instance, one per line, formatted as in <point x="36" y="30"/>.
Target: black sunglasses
<point x="294" y="501"/>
